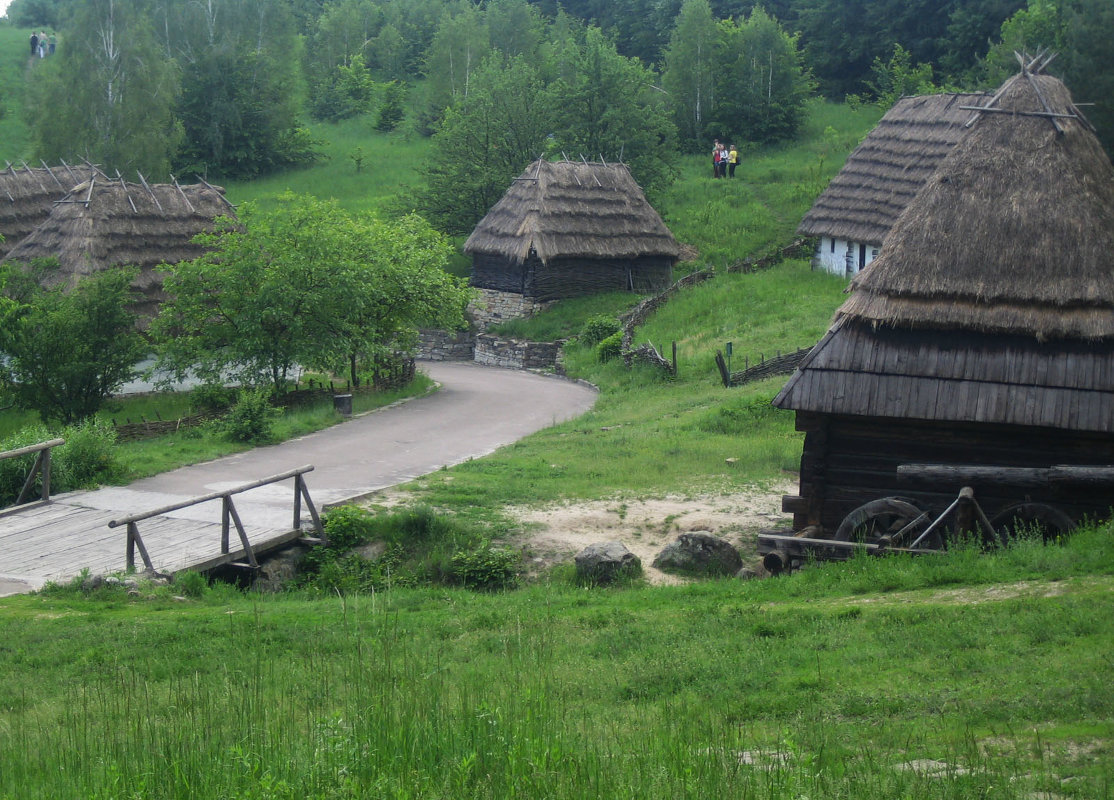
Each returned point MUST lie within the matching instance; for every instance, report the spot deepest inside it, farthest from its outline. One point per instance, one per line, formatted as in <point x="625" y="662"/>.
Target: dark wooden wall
<point x="848" y="461"/>
<point x="572" y="277"/>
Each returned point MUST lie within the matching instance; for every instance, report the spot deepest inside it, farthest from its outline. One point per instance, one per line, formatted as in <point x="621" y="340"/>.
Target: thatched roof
<point x="888" y="167"/>
<point x="27" y="196"/>
<point x="103" y="223"/>
<point x="569" y="209"/>
<point x="1014" y="232"/>
<point x="992" y="300"/>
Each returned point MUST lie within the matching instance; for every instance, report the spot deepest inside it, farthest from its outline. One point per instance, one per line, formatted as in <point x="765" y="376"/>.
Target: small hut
<point x="104" y="223"/>
<point x="983" y="334"/>
<point x="28" y="194"/>
<point x="854" y="213"/>
<point x="570" y="228"/>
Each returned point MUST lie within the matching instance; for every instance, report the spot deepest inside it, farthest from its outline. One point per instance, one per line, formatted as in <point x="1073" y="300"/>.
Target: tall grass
<point x="15" y="64"/>
<point x="785" y="688"/>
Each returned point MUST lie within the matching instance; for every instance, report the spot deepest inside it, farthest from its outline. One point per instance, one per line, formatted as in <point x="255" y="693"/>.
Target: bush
<point x="348" y="526"/>
<point x="610" y="348"/>
<point x="191" y="584"/>
<point x="598" y="328"/>
<point x="213" y="397"/>
<point x="252" y="419"/>
<point x="485" y="567"/>
<point x="88" y="457"/>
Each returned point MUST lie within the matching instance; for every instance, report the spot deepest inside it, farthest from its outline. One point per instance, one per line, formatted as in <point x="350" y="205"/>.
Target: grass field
<point x="962" y="676"/>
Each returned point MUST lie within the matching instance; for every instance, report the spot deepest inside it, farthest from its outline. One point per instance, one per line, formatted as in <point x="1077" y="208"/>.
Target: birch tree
<point x="108" y="96"/>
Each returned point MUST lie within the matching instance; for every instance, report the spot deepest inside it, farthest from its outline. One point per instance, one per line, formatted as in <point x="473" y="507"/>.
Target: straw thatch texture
<point x="880" y="177"/>
<point x="104" y="223"/>
<point x="28" y="194"/>
<point x="573" y="209"/>
<point x="1014" y="232"/>
<point x="567" y="228"/>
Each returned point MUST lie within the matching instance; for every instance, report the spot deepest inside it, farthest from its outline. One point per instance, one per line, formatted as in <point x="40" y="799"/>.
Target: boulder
<point x="699" y="553"/>
<point x="604" y="562"/>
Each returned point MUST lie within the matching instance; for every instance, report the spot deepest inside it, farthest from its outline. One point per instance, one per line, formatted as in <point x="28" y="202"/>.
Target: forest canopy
<point x="224" y="88"/>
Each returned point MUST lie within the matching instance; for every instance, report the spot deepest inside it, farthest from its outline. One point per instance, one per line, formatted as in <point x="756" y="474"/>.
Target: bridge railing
<point x="40" y="467"/>
<point x="229" y="517"/>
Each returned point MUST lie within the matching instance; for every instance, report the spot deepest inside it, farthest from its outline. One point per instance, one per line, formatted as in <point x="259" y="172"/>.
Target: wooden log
<point x="1014" y="477"/>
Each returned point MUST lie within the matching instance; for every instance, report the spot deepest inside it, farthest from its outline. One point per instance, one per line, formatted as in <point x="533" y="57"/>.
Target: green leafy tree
<point x="458" y="47"/>
<point x="108" y="96"/>
<point x="301" y="284"/>
<point x="392" y="108"/>
<point x="69" y="350"/>
<point x="610" y="107"/>
<point x="486" y="139"/>
<point x="241" y="88"/>
<point x="899" y="77"/>
<point x="764" y="85"/>
<point x="515" y="28"/>
<point x="690" y="72"/>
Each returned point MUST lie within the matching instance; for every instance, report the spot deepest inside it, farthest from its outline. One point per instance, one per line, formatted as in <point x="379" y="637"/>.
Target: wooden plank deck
<point x="58" y="540"/>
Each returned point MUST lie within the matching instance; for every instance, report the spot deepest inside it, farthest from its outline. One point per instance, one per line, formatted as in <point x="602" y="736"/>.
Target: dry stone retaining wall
<point x="490" y="307"/>
<point x="516" y="353"/>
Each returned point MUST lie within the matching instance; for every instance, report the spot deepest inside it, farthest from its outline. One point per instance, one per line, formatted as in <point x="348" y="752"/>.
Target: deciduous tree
<point x="68" y="350"/>
<point x="302" y="284"/>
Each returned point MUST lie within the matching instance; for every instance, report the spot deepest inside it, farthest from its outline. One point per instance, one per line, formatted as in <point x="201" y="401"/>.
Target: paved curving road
<point x="477" y="410"/>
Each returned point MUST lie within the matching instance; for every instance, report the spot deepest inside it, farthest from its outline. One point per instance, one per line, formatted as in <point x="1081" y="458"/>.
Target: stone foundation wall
<point x="436" y="345"/>
<point x="490" y="307"/>
<point x="517" y="354"/>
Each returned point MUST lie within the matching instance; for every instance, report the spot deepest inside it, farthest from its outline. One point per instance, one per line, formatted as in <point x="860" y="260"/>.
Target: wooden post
<point x="46" y="475"/>
<point x="225" y="504"/>
<point x="303" y="491"/>
<point x="135" y="541"/>
<point x="965" y="512"/>
<point x="674" y="356"/>
<point x="243" y="534"/>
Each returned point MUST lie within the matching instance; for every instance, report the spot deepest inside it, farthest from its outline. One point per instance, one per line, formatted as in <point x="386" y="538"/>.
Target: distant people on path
<point x="715" y="158"/>
<point x="34" y="44"/>
<point x="53" y="41"/>
<point x="732" y="161"/>
<point x="42" y="44"/>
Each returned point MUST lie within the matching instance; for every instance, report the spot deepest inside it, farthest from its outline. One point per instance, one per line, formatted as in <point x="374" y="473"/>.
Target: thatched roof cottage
<point x="104" y="223"/>
<point x="854" y="213"/>
<point x="571" y="228"/>
<point x="28" y="194"/>
<point x="983" y="334"/>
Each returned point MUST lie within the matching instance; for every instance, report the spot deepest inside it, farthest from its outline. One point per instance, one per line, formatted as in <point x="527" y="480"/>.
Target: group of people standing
<point x="42" y="44"/>
<point x="724" y="160"/>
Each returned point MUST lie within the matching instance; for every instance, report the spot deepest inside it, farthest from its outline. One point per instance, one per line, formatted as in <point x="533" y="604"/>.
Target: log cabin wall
<point x="849" y="460"/>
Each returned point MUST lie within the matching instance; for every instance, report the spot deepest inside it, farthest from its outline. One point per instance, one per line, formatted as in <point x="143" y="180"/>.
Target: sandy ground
<point x="557" y="533"/>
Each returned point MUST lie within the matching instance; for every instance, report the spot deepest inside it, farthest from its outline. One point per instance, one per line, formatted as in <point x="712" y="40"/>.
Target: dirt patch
<point x="554" y="534"/>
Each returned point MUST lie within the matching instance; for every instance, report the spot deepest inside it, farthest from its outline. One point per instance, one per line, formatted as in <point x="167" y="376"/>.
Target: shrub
<point x="485" y="567"/>
<point x="191" y="584"/>
<point x="598" y="328"/>
<point x="610" y="348"/>
<point x="88" y="457"/>
<point x="252" y="419"/>
<point x="213" y="397"/>
<point x="348" y="526"/>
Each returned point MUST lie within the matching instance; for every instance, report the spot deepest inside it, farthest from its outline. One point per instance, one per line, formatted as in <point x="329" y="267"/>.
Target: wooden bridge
<point x="56" y="539"/>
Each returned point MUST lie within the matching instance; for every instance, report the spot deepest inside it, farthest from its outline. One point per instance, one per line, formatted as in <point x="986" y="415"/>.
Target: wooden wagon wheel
<point x="891" y="520"/>
<point x="1049" y="521"/>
